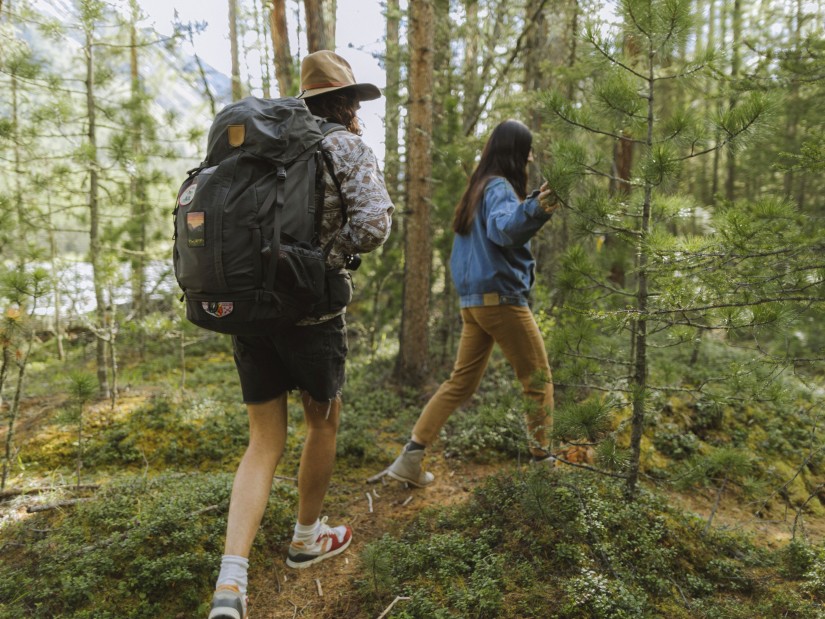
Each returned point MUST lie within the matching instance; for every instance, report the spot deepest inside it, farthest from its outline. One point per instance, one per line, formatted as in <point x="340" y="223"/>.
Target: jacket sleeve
<point x="510" y="223"/>
<point x="368" y="205"/>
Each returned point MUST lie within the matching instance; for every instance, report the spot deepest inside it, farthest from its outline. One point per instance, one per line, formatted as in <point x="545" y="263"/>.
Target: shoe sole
<point x="231" y="614"/>
<point x="404" y="480"/>
<point x="319" y="558"/>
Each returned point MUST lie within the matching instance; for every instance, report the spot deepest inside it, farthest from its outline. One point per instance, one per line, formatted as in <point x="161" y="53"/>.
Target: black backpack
<point x="247" y="253"/>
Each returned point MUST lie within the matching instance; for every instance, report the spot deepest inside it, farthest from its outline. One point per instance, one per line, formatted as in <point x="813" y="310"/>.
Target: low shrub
<point x="143" y="548"/>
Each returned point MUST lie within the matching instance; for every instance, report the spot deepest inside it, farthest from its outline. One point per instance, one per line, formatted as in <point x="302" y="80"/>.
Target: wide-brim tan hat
<point x="325" y="71"/>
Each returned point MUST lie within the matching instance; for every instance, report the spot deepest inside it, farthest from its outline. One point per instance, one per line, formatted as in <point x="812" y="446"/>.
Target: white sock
<point x="306" y="532"/>
<point x="234" y="572"/>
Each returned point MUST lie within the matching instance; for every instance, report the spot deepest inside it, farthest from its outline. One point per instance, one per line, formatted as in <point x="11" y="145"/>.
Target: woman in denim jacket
<point x="493" y="271"/>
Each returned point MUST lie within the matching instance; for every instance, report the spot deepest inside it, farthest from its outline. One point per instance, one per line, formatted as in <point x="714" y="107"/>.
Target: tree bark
<point x="316" y="30"/>
<point x="412" y="367"/>
<point x="330" y="8"/>
<point x="736" y="62"/>
<point x="94" y="215"/>
<point x="393" y="100"/>
<point x="639" y="355"/>
<point x="237" y="91"/>
<point x="137" y="225"/>
<point x="284" y="67"/>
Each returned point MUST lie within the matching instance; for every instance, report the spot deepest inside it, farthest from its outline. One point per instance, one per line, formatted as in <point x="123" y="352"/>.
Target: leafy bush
<point x="556" y="545"/>
<point x="143" y="548"/>
<point x="674" y="442"/>
<point x="188" y="432"/>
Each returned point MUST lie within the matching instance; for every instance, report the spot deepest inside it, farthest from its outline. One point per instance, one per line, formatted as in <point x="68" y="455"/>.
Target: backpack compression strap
<point x="276" y="199"/>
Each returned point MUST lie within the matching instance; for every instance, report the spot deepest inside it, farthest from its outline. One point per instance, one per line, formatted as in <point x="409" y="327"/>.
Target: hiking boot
<point x="228" y="603"/>
<point x="330" y="542"/>
<point x="407" y="468"/>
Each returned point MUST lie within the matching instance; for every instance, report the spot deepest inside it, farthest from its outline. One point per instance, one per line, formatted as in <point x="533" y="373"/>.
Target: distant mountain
<point x="170" y="75"/>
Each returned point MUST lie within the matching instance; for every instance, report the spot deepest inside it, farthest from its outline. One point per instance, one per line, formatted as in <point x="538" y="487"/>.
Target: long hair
<point x="338" y="106"/>
<point x="505" y="154"/>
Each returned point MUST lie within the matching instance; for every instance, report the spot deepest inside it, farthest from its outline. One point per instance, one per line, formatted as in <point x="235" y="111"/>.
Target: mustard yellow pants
<point x="514" y="329"/>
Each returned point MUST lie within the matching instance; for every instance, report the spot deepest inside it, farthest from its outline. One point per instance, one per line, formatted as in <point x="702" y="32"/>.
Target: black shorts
<point x="310" y="358"/>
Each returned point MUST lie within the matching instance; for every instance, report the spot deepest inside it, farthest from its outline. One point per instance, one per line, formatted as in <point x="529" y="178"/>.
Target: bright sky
<point x="360" y="34"/>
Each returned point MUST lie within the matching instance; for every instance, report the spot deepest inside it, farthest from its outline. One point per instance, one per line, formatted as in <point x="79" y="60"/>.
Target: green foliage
<point x="82" y="386"/>
<point x="590" y="419"/>
<point x="141" y="548"/>
<point x="492" y="423"/>
<point x="190" y="432"/>
<point x="575" y="539"/>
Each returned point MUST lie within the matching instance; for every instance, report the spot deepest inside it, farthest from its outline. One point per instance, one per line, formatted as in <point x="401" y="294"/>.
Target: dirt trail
<point x="285" y="593"/>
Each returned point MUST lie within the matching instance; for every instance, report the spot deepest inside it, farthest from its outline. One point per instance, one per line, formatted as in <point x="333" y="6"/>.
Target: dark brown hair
<point x="338" y="106"/>
<point x="505" y="154"/>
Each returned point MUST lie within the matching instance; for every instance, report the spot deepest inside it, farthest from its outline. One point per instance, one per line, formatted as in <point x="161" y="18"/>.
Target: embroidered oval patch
<point x="218" y="309"/>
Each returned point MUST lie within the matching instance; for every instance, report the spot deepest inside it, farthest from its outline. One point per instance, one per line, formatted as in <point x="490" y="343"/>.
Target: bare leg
<point x="318" y="456"/>
<point x="253" y="479"/>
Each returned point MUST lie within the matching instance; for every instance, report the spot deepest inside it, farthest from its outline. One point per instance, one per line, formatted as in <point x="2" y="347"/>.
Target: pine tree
<point x="630" y="67"/>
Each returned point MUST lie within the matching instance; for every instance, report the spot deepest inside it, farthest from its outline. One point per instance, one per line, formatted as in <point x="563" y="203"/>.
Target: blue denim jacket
<point x="493" y="264"/>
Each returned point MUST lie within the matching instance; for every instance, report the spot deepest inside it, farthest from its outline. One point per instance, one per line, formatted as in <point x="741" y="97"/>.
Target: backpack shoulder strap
<point x="326" y="129"/>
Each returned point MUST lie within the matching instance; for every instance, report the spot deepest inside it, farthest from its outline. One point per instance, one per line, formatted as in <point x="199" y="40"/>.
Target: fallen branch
<point x="13" y="492"/>
<point x="318" y="586"/>
<point x="406" y="501"/>
<point x="369" y="500"/>
<point x="46" y="507"/>
<point x="398" y="598"/>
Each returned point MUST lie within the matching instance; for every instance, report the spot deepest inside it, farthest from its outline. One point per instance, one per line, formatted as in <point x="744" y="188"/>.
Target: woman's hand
<point x="548" y="200"/>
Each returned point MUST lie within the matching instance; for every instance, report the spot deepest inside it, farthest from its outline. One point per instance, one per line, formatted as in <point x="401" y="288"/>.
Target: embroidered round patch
<point x="188" y="194"/>
<point x="218" y="309"/>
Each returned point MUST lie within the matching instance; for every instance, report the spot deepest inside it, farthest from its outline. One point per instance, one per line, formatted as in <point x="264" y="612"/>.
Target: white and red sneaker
<point x="331" y="541"/>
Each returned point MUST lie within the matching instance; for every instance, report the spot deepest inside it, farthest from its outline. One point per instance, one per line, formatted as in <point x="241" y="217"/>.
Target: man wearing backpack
<point x="310" y="355"/>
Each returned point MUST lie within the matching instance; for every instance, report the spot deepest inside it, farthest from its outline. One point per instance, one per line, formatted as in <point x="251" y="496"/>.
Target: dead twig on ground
<point x="397" y="599"/>
<point x="376" y="478"/>
<point x="44" y="508"/>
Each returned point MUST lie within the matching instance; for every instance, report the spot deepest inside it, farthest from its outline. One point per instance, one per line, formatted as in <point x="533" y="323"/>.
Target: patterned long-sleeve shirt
<point x="368" y="206"/>
<point x="366" y="201"/>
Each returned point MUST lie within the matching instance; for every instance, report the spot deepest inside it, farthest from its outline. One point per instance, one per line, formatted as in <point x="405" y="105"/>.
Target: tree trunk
<point x="137" y="225"/>
<point x="393" y="101"/>
<point x="316" y="30"/>
<point x="58" y="313"/>
<point x="260" y="34"/>
<point x="237" y="91"/>
<point x="284" y="67"/>
<point x="472" y="82"/>
<point x="535" y="80"/>
<point x="639" y="359"/>
<point x="412" y="364"/>
<point x="94" y="217"/>
<point x="330" y="8"/>
<point x="736" y="61"/>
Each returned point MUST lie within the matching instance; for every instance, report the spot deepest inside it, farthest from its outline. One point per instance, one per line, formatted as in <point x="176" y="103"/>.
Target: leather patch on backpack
<point x="236" y="134"/>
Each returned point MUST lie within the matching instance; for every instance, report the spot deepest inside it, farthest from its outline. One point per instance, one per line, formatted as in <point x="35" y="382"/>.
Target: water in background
<point x="77" y="293"/>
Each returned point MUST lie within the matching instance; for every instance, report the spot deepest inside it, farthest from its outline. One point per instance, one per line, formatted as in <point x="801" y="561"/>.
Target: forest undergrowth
<point x="728" y="522"/>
